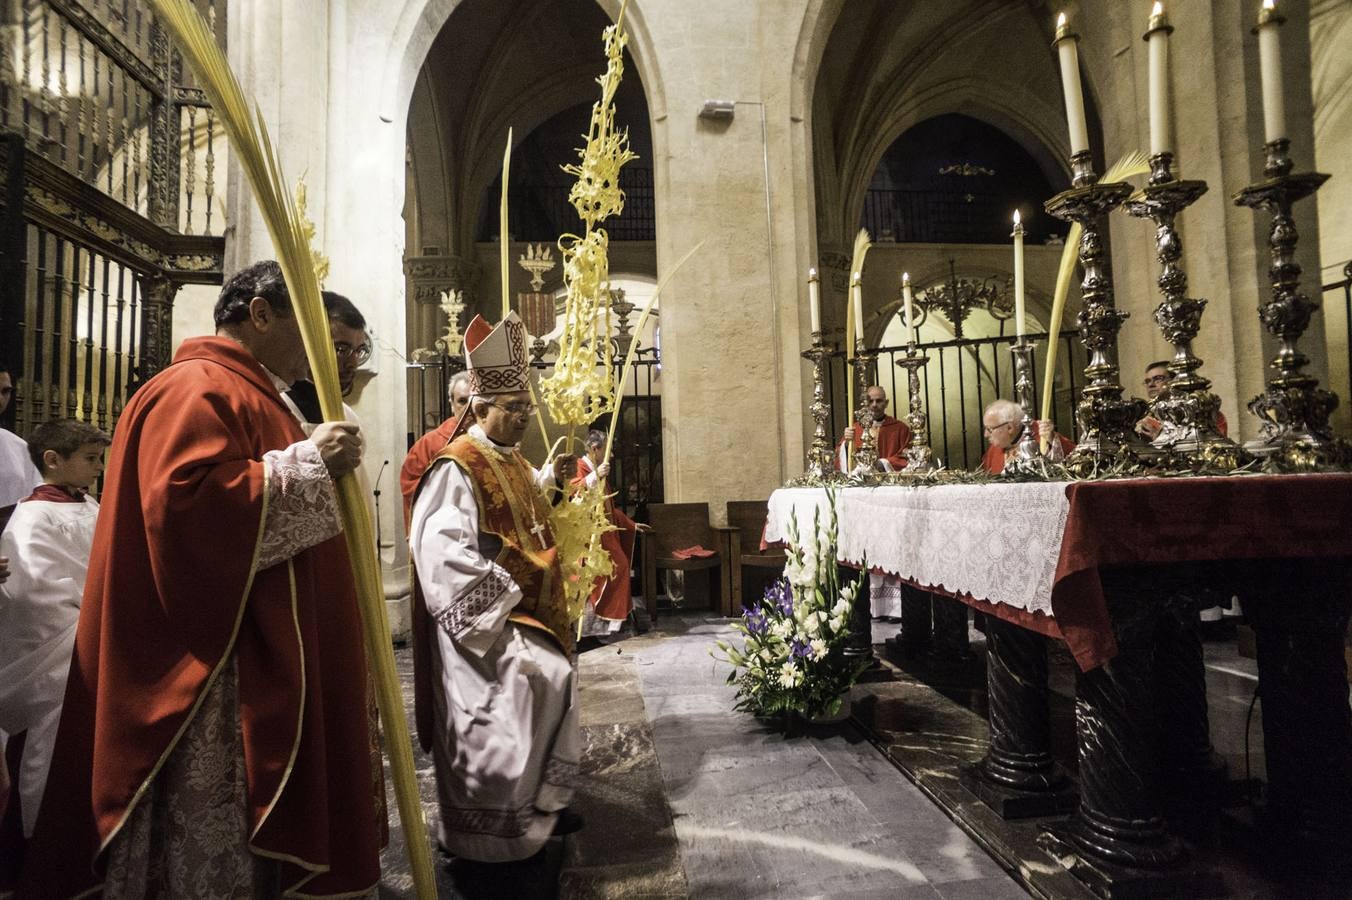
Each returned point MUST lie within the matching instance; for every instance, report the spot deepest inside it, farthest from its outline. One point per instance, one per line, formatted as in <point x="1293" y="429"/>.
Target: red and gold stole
<point x="512" y="510"/>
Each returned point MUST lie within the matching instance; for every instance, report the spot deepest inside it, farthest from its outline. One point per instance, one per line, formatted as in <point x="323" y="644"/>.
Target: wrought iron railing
<point x="962" y="377"/>
<point x="540" y="211"/>
<point x="948" y="216"/>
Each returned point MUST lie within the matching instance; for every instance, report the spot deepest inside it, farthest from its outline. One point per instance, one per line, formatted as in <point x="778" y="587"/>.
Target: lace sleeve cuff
<point x="302" y="503"/>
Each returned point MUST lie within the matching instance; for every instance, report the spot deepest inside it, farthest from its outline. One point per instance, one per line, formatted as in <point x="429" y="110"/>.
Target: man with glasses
<point x="506" y="741"/>
<point x="893" y="435"/>
<point x="1002" y="424"/>
<point x="1156" y="385"/>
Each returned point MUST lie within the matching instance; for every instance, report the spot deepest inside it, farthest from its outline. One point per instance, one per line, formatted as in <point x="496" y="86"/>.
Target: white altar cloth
<point x="997" y="542"/>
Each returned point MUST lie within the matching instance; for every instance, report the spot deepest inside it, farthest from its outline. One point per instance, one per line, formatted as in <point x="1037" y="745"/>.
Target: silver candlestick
<point x="1107" y="421"/>
<point x="919" y="457"/>
<point x="1027" y="450"/>
<point x="819" y="456"/>
<point x="1188" y="409"/>
<point x="1294" y="410"/>
<point x="867" y="454"/>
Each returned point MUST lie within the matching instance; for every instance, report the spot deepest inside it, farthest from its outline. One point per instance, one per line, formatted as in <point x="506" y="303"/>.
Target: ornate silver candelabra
<point x="1027" y="450"/>
<point x="867" y="454"/>
<point x="1294" y="410"/>
<point x="919" y="457"/>
<point x="819" y="455"/>
<point x="1188" y="410"/>
<point x="1107" y="421"/>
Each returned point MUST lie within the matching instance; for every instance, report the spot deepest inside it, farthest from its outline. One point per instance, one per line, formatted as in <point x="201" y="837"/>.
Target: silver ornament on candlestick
<point x="867" y="454"/>
<point x="819" y="456"/>
<point x="1294" y="410"/>
<point x="1026" y="451"/>
<point x="919" y="456"/>
<point x="1188" y="409"/>
<point x="1107" y="421"/>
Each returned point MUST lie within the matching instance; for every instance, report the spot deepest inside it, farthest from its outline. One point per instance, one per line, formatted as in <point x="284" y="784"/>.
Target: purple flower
<point x="754" y="619"/>
<point x="780" y="596"/>
<point x="800" y="650"/>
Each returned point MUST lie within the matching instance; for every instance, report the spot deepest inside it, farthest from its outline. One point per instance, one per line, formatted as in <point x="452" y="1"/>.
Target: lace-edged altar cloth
<point x="998" y="543"/>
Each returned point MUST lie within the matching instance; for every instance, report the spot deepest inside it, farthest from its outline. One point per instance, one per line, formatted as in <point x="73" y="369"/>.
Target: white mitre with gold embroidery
<point x="496" y="357"/>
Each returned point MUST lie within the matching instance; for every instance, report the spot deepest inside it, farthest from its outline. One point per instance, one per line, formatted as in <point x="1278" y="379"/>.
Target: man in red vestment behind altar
<point x="214" y="738"/>
<point x="1156" y="385"/>
<point x="1003" y="426"/>
<point x="426" y="448"/>
<point x="611" y="598"/>
<point x="893" y="435"/>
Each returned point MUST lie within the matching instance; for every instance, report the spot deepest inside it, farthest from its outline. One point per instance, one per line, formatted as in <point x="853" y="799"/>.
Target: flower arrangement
<point x="793" y="656"/>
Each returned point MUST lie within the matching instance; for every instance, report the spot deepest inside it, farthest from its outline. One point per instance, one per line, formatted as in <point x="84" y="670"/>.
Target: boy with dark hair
<point x="47" y="541"/>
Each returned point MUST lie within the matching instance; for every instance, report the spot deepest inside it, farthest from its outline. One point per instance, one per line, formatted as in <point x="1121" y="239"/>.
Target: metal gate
<point x="109" y="159"/>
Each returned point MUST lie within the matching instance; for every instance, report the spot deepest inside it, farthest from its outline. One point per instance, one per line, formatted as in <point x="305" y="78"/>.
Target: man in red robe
<point x="1156" y="385"/>
<point x="1003" y="426"/>
<point x="214" y="735"/>
<point x="893" y="435"/>
<point x="611" y="598"/>
<point x="426" y="448"/>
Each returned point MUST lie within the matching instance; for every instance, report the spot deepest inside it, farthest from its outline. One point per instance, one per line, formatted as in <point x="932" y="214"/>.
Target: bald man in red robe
<point x="214" y="739"/>
<point x="893" y="435"/>
<point x="1003" y="426"/>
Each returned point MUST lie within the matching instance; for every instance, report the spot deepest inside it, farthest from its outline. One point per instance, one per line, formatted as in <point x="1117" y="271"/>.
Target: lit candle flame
<point x="1158" y="8"/>
<point x="1061" y="18"/>
<point x="857" y="277"/>
<point x="812" y="273"/>
<point x="1269" y="4"/>
<point x="905" y="277"/>
<point x="1016" y="212"/>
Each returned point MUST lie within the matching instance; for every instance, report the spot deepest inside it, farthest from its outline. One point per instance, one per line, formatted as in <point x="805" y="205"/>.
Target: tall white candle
<point x="1067" y="48"/>
<point x="1157" y="42"/>
<point x="814" y="300"/>
<point x="910" y="308"/>
<point x="857" y="297"/>
<point x="1018" y="276"/>
<point x="1270" y="71"/>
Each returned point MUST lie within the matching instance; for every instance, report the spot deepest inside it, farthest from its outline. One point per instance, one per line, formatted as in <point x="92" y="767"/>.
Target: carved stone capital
<point x="430" y="276"/>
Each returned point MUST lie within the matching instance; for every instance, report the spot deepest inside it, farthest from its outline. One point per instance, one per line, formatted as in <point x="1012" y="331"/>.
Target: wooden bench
<point x="746" y="519"/>
<point x="675" y="527"/>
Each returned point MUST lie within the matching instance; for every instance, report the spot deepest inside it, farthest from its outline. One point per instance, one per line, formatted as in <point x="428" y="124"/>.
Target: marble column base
<point x="1113" y="881"/>
<point x="1054" y="796"/>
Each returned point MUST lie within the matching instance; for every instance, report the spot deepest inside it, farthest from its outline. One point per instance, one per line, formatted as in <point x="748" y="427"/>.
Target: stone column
<point x="736" y="306"/>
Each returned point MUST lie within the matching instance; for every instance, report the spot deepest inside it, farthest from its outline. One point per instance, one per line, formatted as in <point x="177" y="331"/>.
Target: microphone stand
<point x="375" y="492"/>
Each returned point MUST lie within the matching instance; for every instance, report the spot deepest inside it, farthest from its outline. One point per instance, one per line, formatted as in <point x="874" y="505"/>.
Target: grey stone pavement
<point x="759" y="815"/>
<point x="685" y="797"/>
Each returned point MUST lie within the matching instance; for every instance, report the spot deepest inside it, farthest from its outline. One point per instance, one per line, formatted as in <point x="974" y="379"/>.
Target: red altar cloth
<point x="1173" y="520"/>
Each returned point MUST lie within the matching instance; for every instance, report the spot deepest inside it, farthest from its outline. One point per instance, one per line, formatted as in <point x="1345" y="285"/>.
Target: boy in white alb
<point x="47" y="543"/>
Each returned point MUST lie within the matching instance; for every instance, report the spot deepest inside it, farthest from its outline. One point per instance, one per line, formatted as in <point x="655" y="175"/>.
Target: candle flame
<point x="857" y="278"/>
<point x="1061" y="18"/>
<point x="1157" y="9"/>
<point x="905" y="277"/>
<point x="812" y="273"/>
<point x="1269" y="4"/>
<point x="1016" y="212"/>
